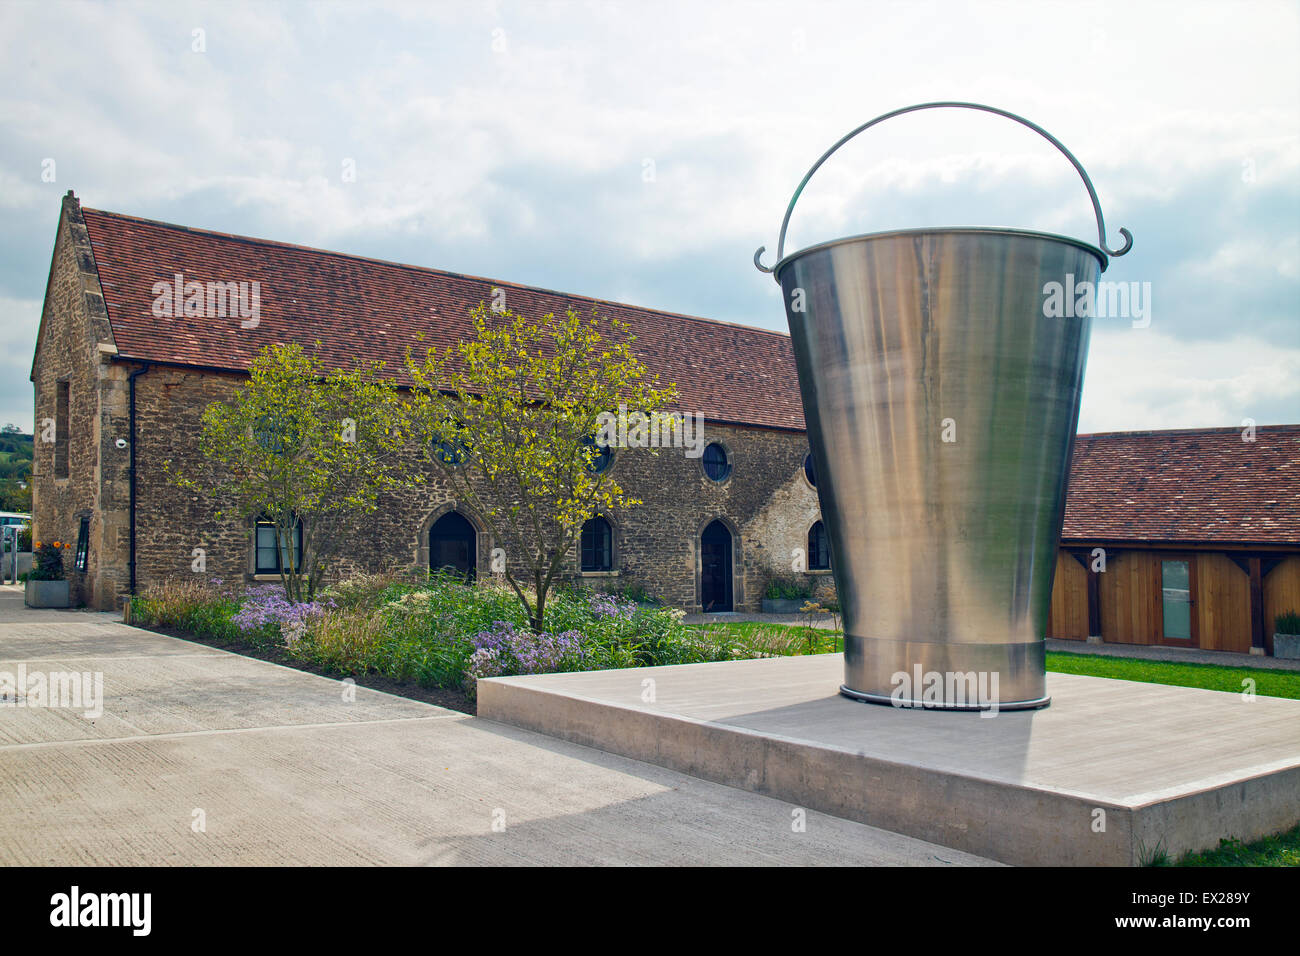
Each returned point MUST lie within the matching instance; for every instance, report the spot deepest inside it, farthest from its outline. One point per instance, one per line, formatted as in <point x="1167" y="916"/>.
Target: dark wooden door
<point x="453" y="545"/>
<point x="715" y="568"/>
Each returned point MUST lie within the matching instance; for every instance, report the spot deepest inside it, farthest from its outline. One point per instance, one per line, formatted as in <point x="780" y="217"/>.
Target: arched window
<point x="597" y="545"/>
<point x="716" y="463"/>
<point x="819" y="548"/>
<point x="810" y="470"/>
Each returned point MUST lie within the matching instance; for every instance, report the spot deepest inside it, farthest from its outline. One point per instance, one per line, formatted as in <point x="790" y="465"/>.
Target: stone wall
<point x="766" y="499"/>
<point x="75" y="345"/>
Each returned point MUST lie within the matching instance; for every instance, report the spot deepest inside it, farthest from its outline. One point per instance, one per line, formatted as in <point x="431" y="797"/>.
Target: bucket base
<point x="932" y="705"/>
<point x="936" y="675"/>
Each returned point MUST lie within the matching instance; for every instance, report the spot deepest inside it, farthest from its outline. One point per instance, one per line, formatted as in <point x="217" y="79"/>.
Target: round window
<point x="600" y="456"/>
<point x="449" y="452"/>
<point x="810" y="470"/>
<point x="716" y="463"/>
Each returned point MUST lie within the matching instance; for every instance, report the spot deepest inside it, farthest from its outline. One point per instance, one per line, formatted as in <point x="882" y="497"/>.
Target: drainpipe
<point x="130" y="561"/>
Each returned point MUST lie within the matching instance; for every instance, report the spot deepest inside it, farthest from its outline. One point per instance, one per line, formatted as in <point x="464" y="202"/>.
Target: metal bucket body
<point x="941" y="406"/>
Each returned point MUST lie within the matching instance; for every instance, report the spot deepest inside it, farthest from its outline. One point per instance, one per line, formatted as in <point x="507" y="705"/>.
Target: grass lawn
<point x="799" y="639"/>
<point x="779" y="639"/>
<point x="1268" y="683"/>
<point x="1280" y="850"/>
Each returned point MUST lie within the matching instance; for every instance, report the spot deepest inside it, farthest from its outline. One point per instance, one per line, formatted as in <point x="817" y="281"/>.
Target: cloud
<point x="1141" y="379"/>
<point x="513" y="141"/>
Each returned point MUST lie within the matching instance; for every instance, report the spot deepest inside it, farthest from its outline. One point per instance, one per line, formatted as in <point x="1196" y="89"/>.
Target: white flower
<point x="293" y="631"/>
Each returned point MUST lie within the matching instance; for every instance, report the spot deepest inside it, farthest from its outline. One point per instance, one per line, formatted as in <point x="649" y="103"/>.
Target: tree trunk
<point x="539" y="617"/>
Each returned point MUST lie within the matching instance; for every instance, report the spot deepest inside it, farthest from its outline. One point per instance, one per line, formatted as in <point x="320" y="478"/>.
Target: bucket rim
<point x="937" y="230"/>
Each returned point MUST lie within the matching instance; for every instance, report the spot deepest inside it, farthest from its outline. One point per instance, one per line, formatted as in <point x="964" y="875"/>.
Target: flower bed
<point x="433" y="631"/>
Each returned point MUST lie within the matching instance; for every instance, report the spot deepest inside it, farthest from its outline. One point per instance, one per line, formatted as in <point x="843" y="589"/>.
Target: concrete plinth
<point x="1110" y="773"/>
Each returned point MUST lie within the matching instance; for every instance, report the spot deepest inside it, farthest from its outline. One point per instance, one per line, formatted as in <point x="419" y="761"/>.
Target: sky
<point x="641" y="152"/>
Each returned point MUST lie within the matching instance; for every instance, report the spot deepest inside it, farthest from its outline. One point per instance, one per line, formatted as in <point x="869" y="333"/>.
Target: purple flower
<point x="607" y="605"/>
<point x="522" y="652"/>
<point x="496" y="639"/>
<point x="267" y="604"/>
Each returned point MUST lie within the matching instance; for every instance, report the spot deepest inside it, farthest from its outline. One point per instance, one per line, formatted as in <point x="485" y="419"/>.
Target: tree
<point x="511" y="416"/>
<point x="307" y="450"/>
<point x="15" y="495"/>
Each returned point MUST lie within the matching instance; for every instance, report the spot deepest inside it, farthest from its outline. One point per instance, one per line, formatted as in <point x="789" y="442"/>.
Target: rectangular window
<point x="83" y="545"/>
<point x="597" y="545"/>
<point x="1176" y="598"/>
<point x="61" y="404"/>
<point x="270" y="558"/>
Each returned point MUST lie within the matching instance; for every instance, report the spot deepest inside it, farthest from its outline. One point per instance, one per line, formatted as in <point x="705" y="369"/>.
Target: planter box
<point x="48" y="594"/>
<point x="1286" y="646"/>
<point x="783" y="605"/>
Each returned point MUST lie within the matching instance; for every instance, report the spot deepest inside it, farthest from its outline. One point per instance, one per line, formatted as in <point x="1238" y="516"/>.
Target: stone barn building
<point x="120" y="392"/>
<point x="1201" y="530"/>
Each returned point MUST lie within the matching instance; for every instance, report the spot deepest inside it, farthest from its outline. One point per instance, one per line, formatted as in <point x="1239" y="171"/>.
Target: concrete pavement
<point x="1107" y="773"/>
<point x="204" y="757"/>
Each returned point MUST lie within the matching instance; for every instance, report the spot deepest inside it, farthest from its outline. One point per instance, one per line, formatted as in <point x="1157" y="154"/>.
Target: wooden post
<point x="1257" y="635"/>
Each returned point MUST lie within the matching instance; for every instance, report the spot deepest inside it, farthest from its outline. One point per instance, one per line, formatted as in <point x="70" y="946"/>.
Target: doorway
<point x="715" y="568"/>
<point x="453" y="545"/>
<point x="1178" y="602"/>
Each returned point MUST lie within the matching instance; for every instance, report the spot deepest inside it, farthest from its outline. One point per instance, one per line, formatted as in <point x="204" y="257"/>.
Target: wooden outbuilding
<point x="1185" y="538"/>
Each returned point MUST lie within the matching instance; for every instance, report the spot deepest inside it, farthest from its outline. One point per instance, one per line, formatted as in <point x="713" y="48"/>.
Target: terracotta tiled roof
<point x="1196" y="486"/>
<point x="367" y="309"/>
<point x="1205" y="485"/>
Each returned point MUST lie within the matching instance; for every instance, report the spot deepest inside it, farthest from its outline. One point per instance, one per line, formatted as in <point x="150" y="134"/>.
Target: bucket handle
<point x="1092" y="193"/>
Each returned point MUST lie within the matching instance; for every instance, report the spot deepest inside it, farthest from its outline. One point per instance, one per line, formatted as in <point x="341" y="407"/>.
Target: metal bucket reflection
<point x="941" y="406"/>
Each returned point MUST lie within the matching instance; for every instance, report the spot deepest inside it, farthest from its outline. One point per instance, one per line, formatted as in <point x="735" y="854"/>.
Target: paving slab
<point x="1110" y="772"/>
<point x="203" y="757"/>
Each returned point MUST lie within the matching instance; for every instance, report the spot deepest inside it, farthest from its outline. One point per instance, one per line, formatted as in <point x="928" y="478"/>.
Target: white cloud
<point x="526" y="164"/>
<point x="1141" y="379"/>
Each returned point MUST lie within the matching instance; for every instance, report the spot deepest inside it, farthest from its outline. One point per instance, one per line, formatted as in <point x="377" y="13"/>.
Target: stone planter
<point x="783" y="605"/>
<point x="48" y="594"/>
<point x="1286" y="646"/>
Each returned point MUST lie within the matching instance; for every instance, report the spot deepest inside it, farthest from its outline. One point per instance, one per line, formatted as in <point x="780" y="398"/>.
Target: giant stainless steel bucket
<point x="941" y="404"/>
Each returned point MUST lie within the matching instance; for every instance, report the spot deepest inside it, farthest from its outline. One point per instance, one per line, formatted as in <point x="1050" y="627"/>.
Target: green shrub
<point x="1287" y="623"/>
<point x="637" y="592"/>
<point x="426" y="627"/>
<point x="47" y="562"/>
<point x="787" y="589"/>
<point x="187" y="604"/>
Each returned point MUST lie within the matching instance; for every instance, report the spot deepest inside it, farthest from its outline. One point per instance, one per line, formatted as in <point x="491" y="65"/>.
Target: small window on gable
<point x="62" y="408"/>
<point x="82" y="562"/>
